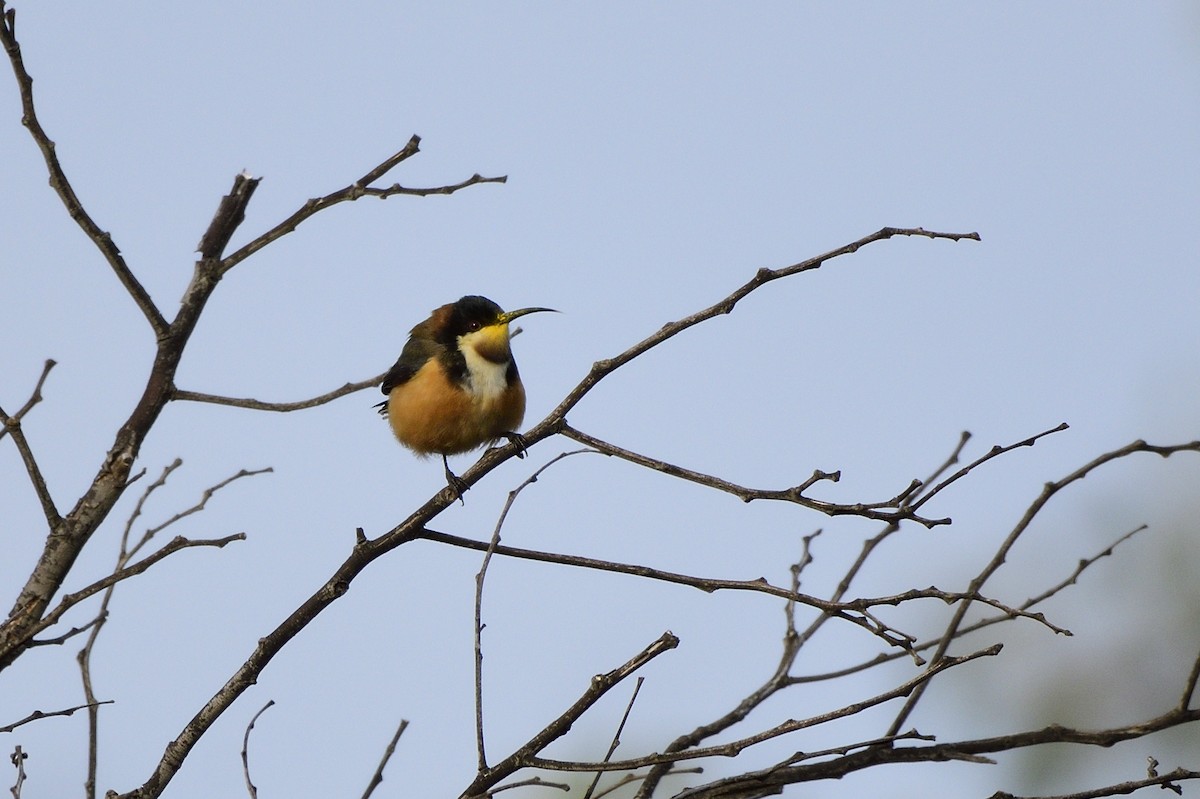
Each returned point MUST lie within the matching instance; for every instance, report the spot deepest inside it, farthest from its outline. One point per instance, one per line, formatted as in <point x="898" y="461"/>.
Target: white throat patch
<point x="486" y="380"/>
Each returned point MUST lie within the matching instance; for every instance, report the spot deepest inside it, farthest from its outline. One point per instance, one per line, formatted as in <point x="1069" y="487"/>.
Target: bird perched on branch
<point x="456" y="385"/>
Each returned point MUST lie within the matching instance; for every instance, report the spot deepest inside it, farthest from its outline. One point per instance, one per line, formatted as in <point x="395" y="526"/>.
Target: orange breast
<point x="429" y="414"/>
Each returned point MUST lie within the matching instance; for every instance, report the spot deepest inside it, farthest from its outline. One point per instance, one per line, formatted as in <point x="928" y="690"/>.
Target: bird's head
<point x="478" y="323"/>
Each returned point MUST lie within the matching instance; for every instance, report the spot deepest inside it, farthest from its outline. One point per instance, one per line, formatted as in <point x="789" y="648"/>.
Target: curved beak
<point x="508" y="316"/>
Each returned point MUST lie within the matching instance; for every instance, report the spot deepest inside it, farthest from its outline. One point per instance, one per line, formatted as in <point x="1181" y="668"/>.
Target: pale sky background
<point x="657" y="156"/>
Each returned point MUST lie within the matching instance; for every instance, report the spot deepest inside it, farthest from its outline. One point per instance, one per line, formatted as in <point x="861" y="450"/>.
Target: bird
<point x="456" y="386"/>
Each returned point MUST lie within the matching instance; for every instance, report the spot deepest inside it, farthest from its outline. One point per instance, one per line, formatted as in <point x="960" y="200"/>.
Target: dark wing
<point x="414" y="355"/>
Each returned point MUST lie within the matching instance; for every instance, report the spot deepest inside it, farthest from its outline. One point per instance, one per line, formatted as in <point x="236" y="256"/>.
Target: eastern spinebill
<point x="456" y="387"/>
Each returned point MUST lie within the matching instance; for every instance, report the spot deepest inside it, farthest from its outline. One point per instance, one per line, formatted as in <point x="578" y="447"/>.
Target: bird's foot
<point x="458" y="486"/>
<point x="518" y="441"/>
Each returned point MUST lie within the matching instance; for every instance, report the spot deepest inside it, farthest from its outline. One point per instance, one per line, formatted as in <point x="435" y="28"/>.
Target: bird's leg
<point x="457" y="484"/>
<point x="518" y="441"/>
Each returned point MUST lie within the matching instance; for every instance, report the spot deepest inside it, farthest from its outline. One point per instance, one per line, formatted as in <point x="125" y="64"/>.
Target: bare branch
<point x="734" y="748"/>
<point x="875" y="510"/>
<point x="952" y="459"/>
<point x="601" y="369"/>
<point x="616" y="741"/>
<point x="69" y="634"/>
<point x="377" y="777"/>
<point x="37" y="715"/>
<point x="844" y="749"/>
<point x="631" y="778"/>
<point x="1119" y="789"/>
<point x="886" y="657"/>
<point x="479" y="579"/>
<point x="531" y="782"/>
<point x="1189" y="688"/>
<point x="12" y="425"/>
<point x="174" y="545"/>
<point x="229" y="215"/>
<point x="199" y="506"/>
<point x="994" y="452"/>
<point x="792" y="642"/>
<point x="951" y="597"/>
<point x="1001" y="555"/>
<point x="348" y="194"/>
<point x="771" y="780"/>
<point x="18" y="757"/>
<point x="870" y="544"/>
<point x="846" y="610"/>
<point x="124" y="553"/>
<point x="246" y="749"/>
<point x="388" y="164"/>
<point x="396" y="188"/>
<point x="526" y="755"/>
<point x="62" y="186"/>
<point x="34" y="398"/>
<point x="282" y="407"/>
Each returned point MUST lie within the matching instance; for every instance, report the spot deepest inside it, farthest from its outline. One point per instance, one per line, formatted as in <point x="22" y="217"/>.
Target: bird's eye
<point x="473" y="326"/>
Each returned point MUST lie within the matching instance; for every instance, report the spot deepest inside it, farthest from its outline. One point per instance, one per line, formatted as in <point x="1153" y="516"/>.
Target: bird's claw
<point x="458" y="486"/>
<point x="518" y="441"/>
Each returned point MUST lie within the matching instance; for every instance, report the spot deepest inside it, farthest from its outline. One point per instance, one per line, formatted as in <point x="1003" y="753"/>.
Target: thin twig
<point x="13" y="425"/>
<point x="122" y="571"/>
<point x="963" y="438"/>
<point x="39" y="714"/>
<point x="58" y="640"/>
<point x="1189" y="688"/>
<point x="845" y="749"/>
<point x="531" y="782"/>
<point x="994" y="452"/>
<point x="174" y="545"/>
<point x="616" y="740"/>
<point x="771" y="780"/>
<point x="246" y="750"/>
<point x="1119" y="789"/>
<point x="350" y="193"/>
<point x="84" y="657"/>
<point x="58" y="180"/>
<point x="200" y="505"/>
<point x="891" y="510"/>
<point x="631" y="778"/>
<point x="18" y="756"/>
<point x="1001" y="555"/>
<point x="603" y="368"/>
<point x="870" y="545"/>
<point x="377" y="777"/>
<point x="526" y="755"/>
<point x="281" y="407"/>
<point x="411" y="148"/>
<point x="479" y="579"/>
<point x="887" y="657"/>
<point x="775" y="683"/>
<point x="34" y="398"/>
<point x="123" y="552"/>
<point x="854" y="611"/>
<point x="734" y="748"/>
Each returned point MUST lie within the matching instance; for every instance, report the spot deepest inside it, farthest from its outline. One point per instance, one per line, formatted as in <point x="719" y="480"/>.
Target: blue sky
<point x="657" y="156"/>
